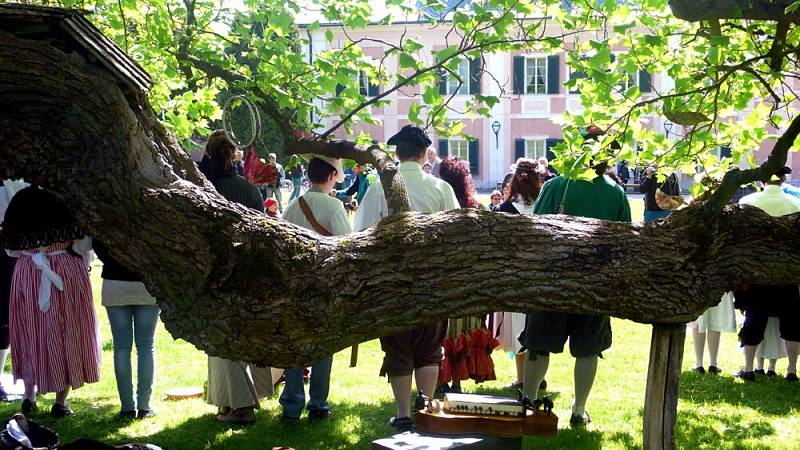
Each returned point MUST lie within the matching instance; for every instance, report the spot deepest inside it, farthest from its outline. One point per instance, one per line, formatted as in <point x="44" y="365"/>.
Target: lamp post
<point x="667" y="128"/>
<point x="496" y="128"/>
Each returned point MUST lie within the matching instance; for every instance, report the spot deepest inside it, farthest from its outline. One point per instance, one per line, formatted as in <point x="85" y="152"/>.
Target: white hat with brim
<point x="336" y="163"/>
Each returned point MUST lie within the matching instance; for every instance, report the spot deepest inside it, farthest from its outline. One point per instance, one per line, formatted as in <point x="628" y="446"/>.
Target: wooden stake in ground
<point x="663" y="379"/>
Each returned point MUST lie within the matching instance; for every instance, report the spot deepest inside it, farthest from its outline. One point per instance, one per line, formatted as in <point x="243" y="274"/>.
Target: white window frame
<point x="452" y="82"/>
<point x="536" y="141"/>
<point x="537" y="70"/>
<point x="462" y="144"/>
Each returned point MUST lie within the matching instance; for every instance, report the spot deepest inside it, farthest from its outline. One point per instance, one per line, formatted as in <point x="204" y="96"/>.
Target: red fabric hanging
<point x="459" y="361"/>
<point x="257" y="172"/>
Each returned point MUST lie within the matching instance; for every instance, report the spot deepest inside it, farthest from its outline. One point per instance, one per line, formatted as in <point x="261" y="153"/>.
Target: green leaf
<point x="329" y="35"/>
<point x="413" y="113"/>
<point x="407" y="61"/>
<point x="792" y="8"/>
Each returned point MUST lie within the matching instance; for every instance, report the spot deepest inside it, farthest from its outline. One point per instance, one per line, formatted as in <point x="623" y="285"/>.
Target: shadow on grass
<point x="352" y="426"/>
<point x="95" y="420"/>
<point x="764" y="395"/>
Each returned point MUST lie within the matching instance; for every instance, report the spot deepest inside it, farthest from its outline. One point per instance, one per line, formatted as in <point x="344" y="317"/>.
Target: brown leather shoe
<point x="241" y="416"/>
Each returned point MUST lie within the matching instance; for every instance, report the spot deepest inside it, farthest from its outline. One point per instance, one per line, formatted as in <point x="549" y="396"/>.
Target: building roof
<point x="76" y="33"/>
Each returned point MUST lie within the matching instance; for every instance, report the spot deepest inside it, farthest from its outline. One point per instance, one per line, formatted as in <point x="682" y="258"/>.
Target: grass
<point x="714" y="411"/>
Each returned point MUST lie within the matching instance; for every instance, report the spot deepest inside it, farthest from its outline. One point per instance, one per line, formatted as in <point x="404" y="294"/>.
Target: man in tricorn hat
<point x="589" y="336"/>
<point x="419" y="351"/>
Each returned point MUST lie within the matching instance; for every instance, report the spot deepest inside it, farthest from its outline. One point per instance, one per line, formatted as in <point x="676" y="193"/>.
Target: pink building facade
<point x="530" y="85"/>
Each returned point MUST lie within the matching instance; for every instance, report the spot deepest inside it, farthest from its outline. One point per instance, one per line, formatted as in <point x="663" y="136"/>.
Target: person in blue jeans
<point x="296" y="174"/>
<point x="318" y="211"/>
<point x="133" y="315"/>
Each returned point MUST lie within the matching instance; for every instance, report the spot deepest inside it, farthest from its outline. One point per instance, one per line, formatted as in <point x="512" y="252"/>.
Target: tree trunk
<point x="238" y="284"/>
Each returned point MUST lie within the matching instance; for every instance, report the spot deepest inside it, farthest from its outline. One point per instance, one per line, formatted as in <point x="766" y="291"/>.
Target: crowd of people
<point x="45" y="281"/>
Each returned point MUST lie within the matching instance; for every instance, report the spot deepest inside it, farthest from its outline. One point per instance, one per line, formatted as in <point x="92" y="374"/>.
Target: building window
<point x="460" y="148"/>
<point x="363" y="83"/>
<point x="535" y="148"/>
<point x="456" y="86"/>
<point x="536" y="75"/>
<point x="629" y="80"/>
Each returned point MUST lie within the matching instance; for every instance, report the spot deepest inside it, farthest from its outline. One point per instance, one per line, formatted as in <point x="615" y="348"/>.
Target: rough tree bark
<point x="238" y="284"/>
<point x="696" y="10"/>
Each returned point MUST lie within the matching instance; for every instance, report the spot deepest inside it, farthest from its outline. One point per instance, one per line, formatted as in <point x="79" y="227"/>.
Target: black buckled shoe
<point x="714" y="370"/>
<point x="699" y="370"/>
<point x="28" y="406"/>
<point x="401" y="423"/>
<point x="127" y="415"/>
<point x="792" y="377"/>
<point x="746" y="376"/>
<point x="59" y="411"/>
<point x="771" y="374"/>
<point x="576" y="421"/>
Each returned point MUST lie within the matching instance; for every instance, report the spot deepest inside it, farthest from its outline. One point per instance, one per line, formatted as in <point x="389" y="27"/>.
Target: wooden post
<point x="663" y="378"/>
<point x="354" y="355"/>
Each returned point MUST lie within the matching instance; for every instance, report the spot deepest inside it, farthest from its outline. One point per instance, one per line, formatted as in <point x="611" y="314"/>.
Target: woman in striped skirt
<point x="52" y="318"/>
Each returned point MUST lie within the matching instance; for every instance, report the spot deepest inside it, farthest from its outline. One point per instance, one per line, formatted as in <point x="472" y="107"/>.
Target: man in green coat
<point x="589" y="336"/>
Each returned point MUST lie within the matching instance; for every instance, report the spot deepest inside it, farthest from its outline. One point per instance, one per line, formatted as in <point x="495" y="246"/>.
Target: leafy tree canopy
<point x="733" y="80"/>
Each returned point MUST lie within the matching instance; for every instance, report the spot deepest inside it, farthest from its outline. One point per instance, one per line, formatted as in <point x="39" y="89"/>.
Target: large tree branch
<point x="697" y="10"/>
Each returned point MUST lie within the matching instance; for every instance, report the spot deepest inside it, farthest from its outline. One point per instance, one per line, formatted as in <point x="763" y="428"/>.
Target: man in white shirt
<point x="417" y="351"/>
<point x="318" y="211"/>
<point x="762" y="301"/>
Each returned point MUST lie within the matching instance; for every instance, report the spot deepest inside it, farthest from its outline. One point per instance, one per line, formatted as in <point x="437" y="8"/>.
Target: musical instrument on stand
<point x="504" y="417"/>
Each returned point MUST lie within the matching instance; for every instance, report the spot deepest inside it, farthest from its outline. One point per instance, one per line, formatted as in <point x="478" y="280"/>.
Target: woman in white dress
<point x="772" y="348"/>
<point x="523" y="190"/>
<point x="708" y="327"/>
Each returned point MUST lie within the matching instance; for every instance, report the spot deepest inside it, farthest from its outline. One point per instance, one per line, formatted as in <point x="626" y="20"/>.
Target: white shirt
<point x="426" y="194"/>
<point x="773" y="201"/>
<point x="7" y="190"/>
<point x="327" y="210"/>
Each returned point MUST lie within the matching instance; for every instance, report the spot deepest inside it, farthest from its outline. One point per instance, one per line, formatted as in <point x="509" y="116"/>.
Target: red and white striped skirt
<point x="57" y="348"/>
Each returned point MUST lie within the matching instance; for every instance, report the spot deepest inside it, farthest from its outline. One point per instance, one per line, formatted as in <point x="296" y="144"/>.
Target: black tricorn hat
<point x="412" y="135"/>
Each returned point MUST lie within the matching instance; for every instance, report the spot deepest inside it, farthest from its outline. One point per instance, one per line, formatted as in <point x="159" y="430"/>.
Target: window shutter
<point x="339" y="89"/>
<point x="475" y="76"/>
<point x="373" y="89"/>
<point x="553" y="74"/>
<point x="519" y="74"/>
<point x="724" y="151"/>
<point x="443" y="150"/>
<point x="549" y="143"/>
<point x="519" y="149"/>
<point x="474" y="157"/>
<point x="645" y="81"/>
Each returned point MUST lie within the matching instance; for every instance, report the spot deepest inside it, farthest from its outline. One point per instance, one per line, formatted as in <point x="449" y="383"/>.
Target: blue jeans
<point x="128" y="324"/>
<point x="297" y="183"/>
<point x="293" y="396"/>
<point x="650" y="216"/>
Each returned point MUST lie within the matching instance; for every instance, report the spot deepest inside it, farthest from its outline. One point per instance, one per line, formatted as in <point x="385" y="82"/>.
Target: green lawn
<point x="714" y="411"/>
